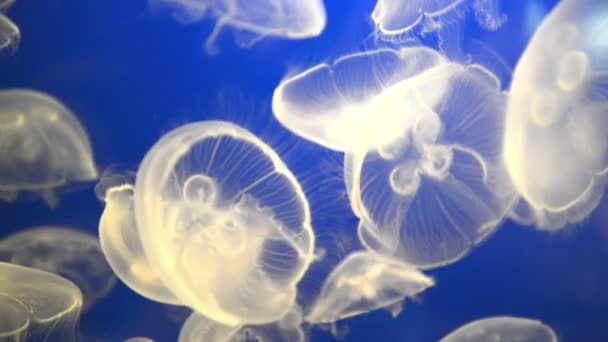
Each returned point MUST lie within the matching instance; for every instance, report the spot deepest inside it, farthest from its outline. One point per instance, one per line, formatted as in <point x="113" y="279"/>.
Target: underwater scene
<point x="303" y="170"/>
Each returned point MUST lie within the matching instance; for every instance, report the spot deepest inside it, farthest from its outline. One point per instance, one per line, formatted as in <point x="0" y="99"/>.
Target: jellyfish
<point x="502" y="329"/>
<point x="139" y="339"/>
<point x="334" y="105"/>
<point x="253" y="19"/>
<point x="43" y="146"/>
<point x="555" y="142"/>
<point x="10" y="35"/>
<point x="67" y="252"/>
<point x="122" y="247"/>
<point x="224" y="222"/>
<point x="365" y="281"/>
<point x="51" y="305"/>
<point x="440" y="188"/>
<point x="395" y="19"/>
<point x="6" y="4"/>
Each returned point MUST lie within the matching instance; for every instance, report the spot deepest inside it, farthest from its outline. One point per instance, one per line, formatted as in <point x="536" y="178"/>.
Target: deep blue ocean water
<point x="131" y="76"/>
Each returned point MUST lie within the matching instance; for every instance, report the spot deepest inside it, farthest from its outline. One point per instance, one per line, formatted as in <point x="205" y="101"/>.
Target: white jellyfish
<point x="10" y="35"/>
<point x="438" y="186"/>
<point x="395" y="19"/>
<point x="502" y="329"/>
<point x="365" y="281"/>
<point x="253" y="19"/>
<point x="6" y="4"/>
<point x="334" y="105"/>
<point x="67" y="252"/>
<point x="556" y="147"/>
<point x="42" y="144"/>
<point x="224" y="222"/>
<point x="139" y="339"/>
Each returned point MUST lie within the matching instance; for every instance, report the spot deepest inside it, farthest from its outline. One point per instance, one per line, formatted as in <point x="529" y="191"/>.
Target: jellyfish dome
<point x="334" y="105"/>
<point x="439" y="188"/>
<point x="224" y="222"/>
<point x="556" y="146"/>
<point x="44" y="146"/>
<point x="10" y="35"/>
<point x="502" y="329"/>
<point x="254" y="19"/>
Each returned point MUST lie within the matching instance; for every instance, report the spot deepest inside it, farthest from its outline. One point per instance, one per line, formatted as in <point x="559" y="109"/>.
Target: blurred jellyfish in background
<point x="139" y="339"/>
<point x="6" y="4"/>
<point x="502" y="329"/>
<point x="10" y="35"/>
<point x="399" y="19"/>
<point x="556" y="146"/>
<point x="37" y="306"/>
<point x="67" y="252"/>
<point x="43" y="146"/>
<point x="253" y="20"/>
<point x="365" y="281"/>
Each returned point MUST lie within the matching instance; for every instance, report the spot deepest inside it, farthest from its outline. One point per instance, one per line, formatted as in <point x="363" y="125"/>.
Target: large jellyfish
<point x="502" y="329"/>
<point x="254" y="19"/>
<point x="365" y="281"/>
<point x="334" y="105"/>
<point x="556" y="146"/>
<point x="437" y="186"/>
<point x="395" y="19"/>
<point x="10" y="35"/>
<point x="42" y="144"/>
<point x="224" y="222"/>
<point x="36" y="305"/>
<point x="67" y="252"/>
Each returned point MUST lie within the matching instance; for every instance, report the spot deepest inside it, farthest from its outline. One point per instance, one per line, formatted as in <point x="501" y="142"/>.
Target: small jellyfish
<point x="396" y="19"/>
<point x="70" y="253"/>
<point x="52" y="304"/>
<point x="6" y="4"/>
<point x="502" y="329"/>
<point x="556" y="147"/>
<point x="10" y="35"/>
<point x="43" y="146"/>
<point x="253" y="19"/>
<point x="122" y="247"/>
<point x="139" y="339"/>
<point x="365" y="281"/>
<point x="438" y="187"/>
<point x="224" y="222"/>
<point x="334" y="105"/>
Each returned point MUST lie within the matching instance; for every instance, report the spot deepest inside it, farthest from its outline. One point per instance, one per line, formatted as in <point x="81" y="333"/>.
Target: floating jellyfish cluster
<point x="436" y="156"/>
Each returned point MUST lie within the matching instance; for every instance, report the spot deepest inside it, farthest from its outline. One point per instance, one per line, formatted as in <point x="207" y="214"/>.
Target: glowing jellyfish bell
<point x="10" y="35"/>
<point x="338" y="105"/>
<point x="67" y="252"/>
<point x="366" y="281"/>
<point x="254" y="19"/>
<point x="44" y="145"/>
<point x="502" y="329"/>
<point x="438" y="186"/>
<point x="556" y="146"/>
<point x="224" y="222"/>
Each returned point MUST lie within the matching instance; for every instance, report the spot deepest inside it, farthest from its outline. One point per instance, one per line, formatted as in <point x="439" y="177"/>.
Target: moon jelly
<point x="224" y="222"/>
<point x="556" y="146"/>
<point x="10" y="35"/>
<point x="502" y="329"/>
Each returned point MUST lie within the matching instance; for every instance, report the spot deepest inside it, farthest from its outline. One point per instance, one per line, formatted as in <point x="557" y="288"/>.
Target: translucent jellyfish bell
<point x="69" y="253"/>
<point x="254" y="19"/>
<point x="555" y="142"/>
<point x="366" y="281"/>
<point x="334" y="105"/>
<point x="53" y="303"/>
<point x="10" y="35"/>
<point x="502" y="329"/>
<point x="224" y="222"/>
<point x="438" y="189"/>
<point x="44" y="146"/>
<point x="15" y="319"/>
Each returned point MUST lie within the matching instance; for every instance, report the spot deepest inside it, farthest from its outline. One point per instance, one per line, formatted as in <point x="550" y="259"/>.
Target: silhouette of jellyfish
<point x="396" y="19"/>
<point x="122" y="247"/>
<point x="440" y="188"/>
<point x="224" y="222"/>
<point x="253" y="19"/>
<point x="10" y="35"/>
<point x="334" y="105"/>
<point x="557" y="109"/>
<point x="52" y="303"/>
<point x="43" y="146"/>
<point x="67" y="252"/>
<point x="365" y="281"/>
<point x="502" y="329"/>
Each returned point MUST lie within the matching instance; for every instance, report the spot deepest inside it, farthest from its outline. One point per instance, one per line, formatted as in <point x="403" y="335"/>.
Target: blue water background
<point x="131" y="75"/>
